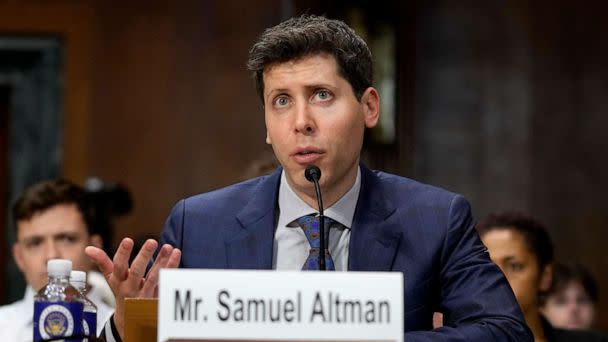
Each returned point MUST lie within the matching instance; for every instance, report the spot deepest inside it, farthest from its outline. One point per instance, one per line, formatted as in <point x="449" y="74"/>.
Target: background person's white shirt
<point x="99" y="283"/>
<point x="16" y="319"/>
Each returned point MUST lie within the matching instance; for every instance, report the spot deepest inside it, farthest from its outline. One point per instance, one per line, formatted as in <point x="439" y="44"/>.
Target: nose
<point x="51" y="251"/>
<point x="573" y="307"/>
<point x="304" y="120"/>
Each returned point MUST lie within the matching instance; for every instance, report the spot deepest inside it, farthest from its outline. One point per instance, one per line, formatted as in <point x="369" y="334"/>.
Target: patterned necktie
<point x="310" y="225"/>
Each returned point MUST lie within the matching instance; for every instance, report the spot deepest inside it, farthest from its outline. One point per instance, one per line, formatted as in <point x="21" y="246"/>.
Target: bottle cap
<point x="78" y="276"/>
<point x="59" y="267"/>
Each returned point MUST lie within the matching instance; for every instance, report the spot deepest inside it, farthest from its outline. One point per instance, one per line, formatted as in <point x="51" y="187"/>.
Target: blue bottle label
<point x="89" y="324"/>
<point x="57" y="319"/>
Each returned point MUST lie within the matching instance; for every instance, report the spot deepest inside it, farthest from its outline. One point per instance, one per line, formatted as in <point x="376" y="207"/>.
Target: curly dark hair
<point x="307" y="35"/>
<point x="535" y="234"/>
<point x="44" y="195"/>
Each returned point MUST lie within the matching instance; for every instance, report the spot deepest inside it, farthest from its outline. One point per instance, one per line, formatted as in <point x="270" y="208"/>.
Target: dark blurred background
<point x="504" y="102"/>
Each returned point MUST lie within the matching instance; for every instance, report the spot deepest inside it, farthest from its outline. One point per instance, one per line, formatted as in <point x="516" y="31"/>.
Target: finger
<point x="138" y="266"/>
<point x="169" y="257"/>
<point x="101" y="259"/>
<point x="174" y="258"/>
<point x="152" y="277"/>
<point x="121" y="259"/>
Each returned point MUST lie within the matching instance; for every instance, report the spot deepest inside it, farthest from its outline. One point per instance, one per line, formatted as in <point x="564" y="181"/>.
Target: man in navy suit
<point x="314" y="77"/>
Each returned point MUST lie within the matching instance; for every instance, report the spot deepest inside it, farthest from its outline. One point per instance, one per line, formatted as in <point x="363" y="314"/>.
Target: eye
<point x="323" y="95"/>
<point x="31" y="244"/>
<point x="281" y="101"/>
<point x="514" y="266"/>
<point x="67" y="238"/>
<point x="583" y="300"/>
<point x="560" y="300"/>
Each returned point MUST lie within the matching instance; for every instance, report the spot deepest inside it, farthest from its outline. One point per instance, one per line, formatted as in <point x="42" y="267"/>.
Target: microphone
<point x="313" y="174"/>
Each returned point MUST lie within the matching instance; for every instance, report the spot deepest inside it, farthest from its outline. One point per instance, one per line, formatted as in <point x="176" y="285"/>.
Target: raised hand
<point x="133" y="282"/>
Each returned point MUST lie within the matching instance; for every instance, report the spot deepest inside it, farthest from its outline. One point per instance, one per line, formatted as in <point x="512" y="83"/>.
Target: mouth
<point x="307" y="156"/>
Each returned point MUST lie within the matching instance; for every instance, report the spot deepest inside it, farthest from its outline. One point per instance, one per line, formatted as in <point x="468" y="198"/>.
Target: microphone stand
<point x="313" y="174"/>
<point x="322" y="242"/>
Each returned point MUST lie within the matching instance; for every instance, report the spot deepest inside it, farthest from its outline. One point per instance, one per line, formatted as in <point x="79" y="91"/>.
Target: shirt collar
<point x="292" y="207"/>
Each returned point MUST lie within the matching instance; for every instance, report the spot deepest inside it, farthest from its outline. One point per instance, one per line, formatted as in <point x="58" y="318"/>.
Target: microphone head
<point x="312" y="173"/>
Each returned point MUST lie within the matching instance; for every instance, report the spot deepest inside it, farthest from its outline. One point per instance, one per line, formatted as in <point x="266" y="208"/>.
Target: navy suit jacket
<point x="399" y="225"/>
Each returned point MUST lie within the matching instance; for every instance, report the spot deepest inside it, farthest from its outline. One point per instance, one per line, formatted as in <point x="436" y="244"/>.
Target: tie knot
<point x="310" y="226"/>
<point x="312" y="222"/>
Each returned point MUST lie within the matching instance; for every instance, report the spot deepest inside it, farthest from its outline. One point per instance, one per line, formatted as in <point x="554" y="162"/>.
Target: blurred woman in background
<point x="570" y="302"/>
<point x="521" y="247"/>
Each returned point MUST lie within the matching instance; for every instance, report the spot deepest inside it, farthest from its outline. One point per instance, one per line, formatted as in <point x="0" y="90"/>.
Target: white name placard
<point x="279" y="305"/>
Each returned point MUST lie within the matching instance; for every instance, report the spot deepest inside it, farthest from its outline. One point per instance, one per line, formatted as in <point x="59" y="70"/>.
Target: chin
<point x="297" y="175"/>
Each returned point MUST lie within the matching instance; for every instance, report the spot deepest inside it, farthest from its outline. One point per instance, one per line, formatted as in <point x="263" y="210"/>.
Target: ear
<point x="18" y="255"/>
<point x="268" y="140"/>
<point x="370" y="100"/>
<point x="96" y="241"/>
<point x="546" y="278"/>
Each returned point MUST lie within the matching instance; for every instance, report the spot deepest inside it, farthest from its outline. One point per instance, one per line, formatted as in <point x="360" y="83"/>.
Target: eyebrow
<point x="279" y="90"/>
<point x="509" y="258"/>
<point x="66" y="234"/>
<point x="54" y="236"/>
<point x="31" y="239"/>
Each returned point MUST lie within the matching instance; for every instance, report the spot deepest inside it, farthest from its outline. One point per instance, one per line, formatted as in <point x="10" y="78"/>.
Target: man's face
<point x="313" y="117"/>
<point x="57" y="232"/>
<point x="508" y="250"/>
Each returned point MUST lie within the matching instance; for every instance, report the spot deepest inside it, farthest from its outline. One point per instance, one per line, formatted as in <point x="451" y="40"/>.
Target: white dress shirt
<point x="16" y="319"/>
<point x="291" y="247"/>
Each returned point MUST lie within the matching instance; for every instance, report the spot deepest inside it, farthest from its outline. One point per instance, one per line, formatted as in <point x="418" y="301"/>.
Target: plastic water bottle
<point x="78" y="279"/>
<point x="57" y="306"/>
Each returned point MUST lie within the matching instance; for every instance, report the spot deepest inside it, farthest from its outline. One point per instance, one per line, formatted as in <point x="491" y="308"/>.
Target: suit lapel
<point x="375" y="232"/>
<point x="250" y="245"/>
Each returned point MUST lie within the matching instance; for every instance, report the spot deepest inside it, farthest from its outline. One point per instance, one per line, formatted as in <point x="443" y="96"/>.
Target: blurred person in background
<point x="570" y="302"/>
<point x="52" y="220"/>
<point x="521" y="246"/>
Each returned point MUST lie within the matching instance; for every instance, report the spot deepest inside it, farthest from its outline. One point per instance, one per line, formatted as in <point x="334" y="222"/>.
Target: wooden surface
<point x="141" y="316"/>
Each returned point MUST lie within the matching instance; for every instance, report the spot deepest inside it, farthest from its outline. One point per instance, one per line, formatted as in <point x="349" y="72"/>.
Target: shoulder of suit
<point x="233" y="194"/>
<point x="413" y="190"/>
